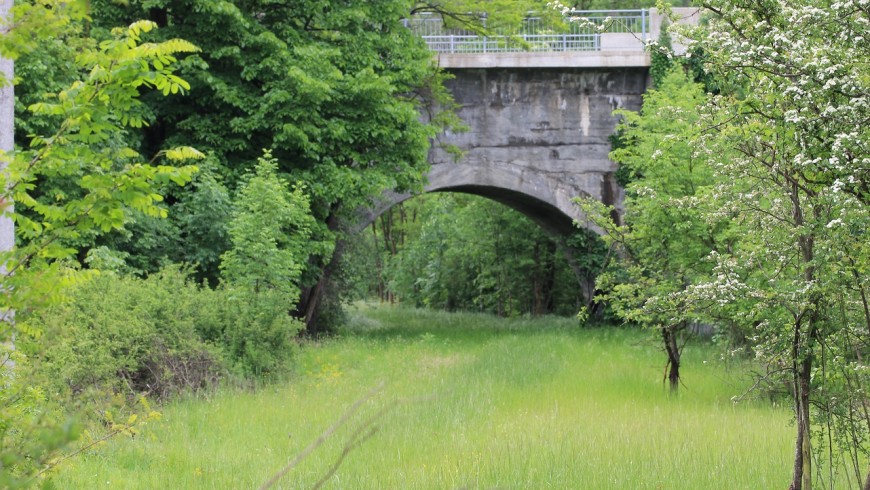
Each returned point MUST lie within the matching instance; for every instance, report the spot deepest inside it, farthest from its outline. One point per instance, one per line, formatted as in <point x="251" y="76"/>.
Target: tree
<point x="87" y="146"/>
<point x="662" y="242"/>
<point x="271" y="234"/>
<point x="459" y="252"/>
<point x="110" y="180"/>
<point x="789" y="146"/>
<point x="481" y="16"/>
<point x="612" y="4"/>
<point x="335" y="91"/>
<point x="785" y="147"/>
<point x="661" y="56"/>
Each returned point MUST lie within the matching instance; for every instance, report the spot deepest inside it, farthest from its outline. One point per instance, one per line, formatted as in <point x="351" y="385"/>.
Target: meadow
<point x="469" y="401"/>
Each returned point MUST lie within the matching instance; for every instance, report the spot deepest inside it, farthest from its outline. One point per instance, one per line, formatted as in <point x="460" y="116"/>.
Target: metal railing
<point x="580" y="31"/>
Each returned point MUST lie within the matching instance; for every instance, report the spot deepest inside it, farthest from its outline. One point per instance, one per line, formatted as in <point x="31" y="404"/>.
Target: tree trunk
<point x="802" y="478"/>
<point x="314" y="300"/>
<point x="669" y="337"/>
<point x="310" y="301"/>
<point x="802" y="363"/>
<point x="380" y="288"/>
<point x="585" y="283"/>
<point x="802" y="353"/>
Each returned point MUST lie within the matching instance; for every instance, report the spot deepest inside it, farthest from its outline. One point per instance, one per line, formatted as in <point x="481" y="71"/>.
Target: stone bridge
<point x="540" y="119"/>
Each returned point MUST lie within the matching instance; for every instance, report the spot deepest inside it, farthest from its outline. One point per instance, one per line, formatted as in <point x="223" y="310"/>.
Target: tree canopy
<point x="765" y="184"/>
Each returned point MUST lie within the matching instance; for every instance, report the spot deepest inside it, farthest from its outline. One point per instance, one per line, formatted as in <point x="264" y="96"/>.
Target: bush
<point x="160" y="335"/>
<point x="129" y="334"/>
<point x="271" y="239"/>
<point x="258" y="332"/>
<point x="33" y="432"/>
<point x="165" y="334"/>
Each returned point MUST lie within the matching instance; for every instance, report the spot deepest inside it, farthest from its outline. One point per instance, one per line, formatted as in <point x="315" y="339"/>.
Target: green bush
<point x="271" y="239"/>
<point x="165" y="334"/>
<point x="32" y="430"/>
<point x="160" y="335"/>
<point x="125" y="333"/>
<point x="258" y="332"/>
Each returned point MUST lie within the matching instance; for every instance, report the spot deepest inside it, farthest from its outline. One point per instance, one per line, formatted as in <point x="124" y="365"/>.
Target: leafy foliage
<point x="271" y="233"/>
<point x="31" y="431"/>
<point x="87" y="148"/>
<point x="201" y="218"/>
<point x="610" y="4"/>
<point x="661" y="57"/>
<point x="796" y="184"/>
<point x="335" y="93"/>
<point x="81" y="142"/>
<point x="777" y="213"/>
<point x="467" y="253"/>
<point x="128" y="335"/>
<point x="662" y="242"/>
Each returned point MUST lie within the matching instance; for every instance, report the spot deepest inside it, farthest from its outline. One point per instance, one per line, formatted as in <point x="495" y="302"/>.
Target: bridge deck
<point x="568" y="59"/>
<point x="592" y="39"/>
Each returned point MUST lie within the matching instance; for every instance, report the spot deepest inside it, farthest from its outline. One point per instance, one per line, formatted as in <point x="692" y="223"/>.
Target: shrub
<point x="125" y="333"/>
<point x="271" y="239"/>
<point x="258" y="332"/>
<point x="32" y="431"/>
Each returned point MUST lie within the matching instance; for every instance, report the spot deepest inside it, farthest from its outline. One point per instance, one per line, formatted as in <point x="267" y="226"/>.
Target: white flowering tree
<point x="787" y="142"/>
<point x="791" y="154"/>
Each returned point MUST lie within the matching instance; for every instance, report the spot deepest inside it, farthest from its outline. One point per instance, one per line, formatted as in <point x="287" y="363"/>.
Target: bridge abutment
<point x="537" y="137"/>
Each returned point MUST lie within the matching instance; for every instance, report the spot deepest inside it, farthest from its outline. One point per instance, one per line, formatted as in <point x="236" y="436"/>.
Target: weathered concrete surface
<point x="537" y="139"/>
<point x="623" y="58"/>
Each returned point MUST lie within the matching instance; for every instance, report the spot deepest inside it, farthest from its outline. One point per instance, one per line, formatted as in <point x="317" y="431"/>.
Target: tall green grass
<point x="482" y="403"/>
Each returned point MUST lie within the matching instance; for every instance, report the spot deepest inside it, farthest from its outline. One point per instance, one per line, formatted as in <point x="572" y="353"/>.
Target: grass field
<point x="481" y="403"/>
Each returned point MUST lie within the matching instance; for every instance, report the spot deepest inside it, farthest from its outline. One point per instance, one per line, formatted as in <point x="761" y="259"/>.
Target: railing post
<point x="484" y="27"/>
<point x="564" y="42"/>
<point x="452" y="44"/>
<point x="643" y="25"/>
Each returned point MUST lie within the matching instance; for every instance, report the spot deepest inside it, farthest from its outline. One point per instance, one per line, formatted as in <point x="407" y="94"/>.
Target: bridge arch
<point x="545" y="199"/>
